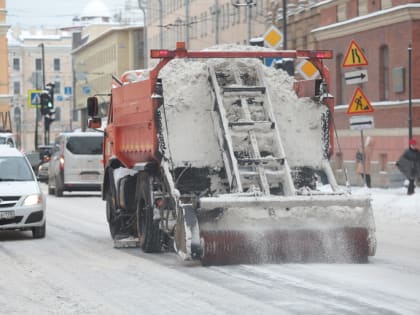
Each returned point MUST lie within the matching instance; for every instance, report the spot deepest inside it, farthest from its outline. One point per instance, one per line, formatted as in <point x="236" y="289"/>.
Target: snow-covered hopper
<point x="217" y="156"/>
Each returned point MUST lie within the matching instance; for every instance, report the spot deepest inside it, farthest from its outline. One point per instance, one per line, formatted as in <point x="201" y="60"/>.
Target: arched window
<point x="383" y="73"/>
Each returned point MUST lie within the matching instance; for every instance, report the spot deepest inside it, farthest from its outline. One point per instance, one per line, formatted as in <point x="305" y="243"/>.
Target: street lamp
<point x="249" y="4"/>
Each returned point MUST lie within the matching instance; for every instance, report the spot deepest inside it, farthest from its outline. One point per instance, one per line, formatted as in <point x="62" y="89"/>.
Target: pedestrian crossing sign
<point x="359" y="103"/>
<point x="34" y="98"/>
<point x="354" y="56"/>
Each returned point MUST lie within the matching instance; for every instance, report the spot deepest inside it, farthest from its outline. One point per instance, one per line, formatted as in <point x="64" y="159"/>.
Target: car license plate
<point x="89" y="176"/>
<point x="7" y="214"/>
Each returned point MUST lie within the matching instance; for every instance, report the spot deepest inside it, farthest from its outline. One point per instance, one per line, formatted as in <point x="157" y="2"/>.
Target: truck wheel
<point x="147" y="227"/>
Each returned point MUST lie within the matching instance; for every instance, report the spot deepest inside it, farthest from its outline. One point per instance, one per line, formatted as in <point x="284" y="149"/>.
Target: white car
<point x="76" y="162"/>
<point x="22" y="203"/>
<point x="7" y="138"/>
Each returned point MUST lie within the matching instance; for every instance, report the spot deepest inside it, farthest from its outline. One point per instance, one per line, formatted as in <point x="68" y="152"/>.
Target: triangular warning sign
<point x="354" y="56"/>
<point x="359" y="103"/>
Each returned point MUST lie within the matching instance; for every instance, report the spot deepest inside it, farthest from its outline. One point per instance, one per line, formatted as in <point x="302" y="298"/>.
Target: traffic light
<point x="47" y="100"/>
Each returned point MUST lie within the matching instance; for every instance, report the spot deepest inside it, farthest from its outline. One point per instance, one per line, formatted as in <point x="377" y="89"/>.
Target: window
<point x="383" y="73"/>
<point x="84" y="145"/>
<point x="16" y="87"/>
<point x="16" y="64"/>
<point x="38" y="64"/>
<point x="56" y="64"/>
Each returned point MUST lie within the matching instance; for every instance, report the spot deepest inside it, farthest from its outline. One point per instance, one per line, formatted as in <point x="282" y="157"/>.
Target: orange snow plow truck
<point x="218" y="157"/>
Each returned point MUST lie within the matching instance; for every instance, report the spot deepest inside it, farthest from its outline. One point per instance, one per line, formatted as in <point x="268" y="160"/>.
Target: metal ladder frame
<point x="225" y="139"/>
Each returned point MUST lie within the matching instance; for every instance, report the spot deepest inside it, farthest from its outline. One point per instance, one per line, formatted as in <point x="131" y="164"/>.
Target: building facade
<point x="96" y="59"/>
<point x="384" y="30"/>
<point x="26" y="66"/>
<point x="204" y="23"/>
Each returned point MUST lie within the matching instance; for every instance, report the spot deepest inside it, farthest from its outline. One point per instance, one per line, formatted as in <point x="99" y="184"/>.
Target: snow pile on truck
<point x="189" y="104"/>
<point x="214" y="155"/>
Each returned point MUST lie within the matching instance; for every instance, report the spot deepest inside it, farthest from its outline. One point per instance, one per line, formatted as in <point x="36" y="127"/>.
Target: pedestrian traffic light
<point x="47" y="100"/>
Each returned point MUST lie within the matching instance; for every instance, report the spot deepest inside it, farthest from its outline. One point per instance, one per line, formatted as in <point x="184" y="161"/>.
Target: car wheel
<point x="50" y="189"/>
<point x="58" y="187"/>
<point x="39" y="232"/>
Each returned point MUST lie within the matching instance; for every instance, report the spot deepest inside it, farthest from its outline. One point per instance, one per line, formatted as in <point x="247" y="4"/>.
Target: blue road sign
<point x="68" y="90"/>
<point x="86" y="89"/>
<point x="269" y="61"/>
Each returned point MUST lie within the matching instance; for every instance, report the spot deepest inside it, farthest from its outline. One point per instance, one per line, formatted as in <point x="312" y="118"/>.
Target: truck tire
<point x="147" y="227"/>
<point x="113" y="221"/>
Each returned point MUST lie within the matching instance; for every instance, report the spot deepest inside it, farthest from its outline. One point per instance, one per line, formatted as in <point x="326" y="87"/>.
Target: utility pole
<point x="285" y="24"/>
<point x="216" y="10"/>
<point x="43" y="87"/>
<point x="143" y="9"/>
<point x="410" y="105"/>
<point x="187" y="23"/>
<point x="161" y="24"/>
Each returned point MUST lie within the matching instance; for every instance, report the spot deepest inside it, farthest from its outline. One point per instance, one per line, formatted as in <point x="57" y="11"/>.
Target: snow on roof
<point x="96" y="8"/>
<point x="367" y="17"/>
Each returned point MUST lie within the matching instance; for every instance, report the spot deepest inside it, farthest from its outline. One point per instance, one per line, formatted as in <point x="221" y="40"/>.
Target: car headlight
<point x="32" y="200"/>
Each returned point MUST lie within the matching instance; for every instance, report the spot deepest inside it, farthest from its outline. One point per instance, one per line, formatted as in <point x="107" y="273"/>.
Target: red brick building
<point x="383" y="29"/>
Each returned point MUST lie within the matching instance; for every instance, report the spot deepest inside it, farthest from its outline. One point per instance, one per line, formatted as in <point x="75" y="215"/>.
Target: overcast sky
<point x="50" y="13"/>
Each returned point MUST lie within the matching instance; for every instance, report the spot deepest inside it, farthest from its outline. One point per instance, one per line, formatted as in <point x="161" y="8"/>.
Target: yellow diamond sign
<point x="307" y="70"/>
<point x="273" y="38"/>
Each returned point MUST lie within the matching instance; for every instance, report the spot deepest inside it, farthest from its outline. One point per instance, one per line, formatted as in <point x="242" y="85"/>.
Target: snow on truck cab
<point x="213" y="155"/>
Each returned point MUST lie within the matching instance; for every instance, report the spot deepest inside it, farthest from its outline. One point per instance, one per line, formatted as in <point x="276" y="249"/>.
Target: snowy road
<point x="75" y="270"/>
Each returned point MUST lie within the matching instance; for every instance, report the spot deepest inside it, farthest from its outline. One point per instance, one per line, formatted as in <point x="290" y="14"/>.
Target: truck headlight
<point x="32" y="200"/>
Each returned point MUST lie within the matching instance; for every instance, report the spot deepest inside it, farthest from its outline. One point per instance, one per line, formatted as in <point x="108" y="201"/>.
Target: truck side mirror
<point x="95" y="122"/>
<point x="92" y="106"/>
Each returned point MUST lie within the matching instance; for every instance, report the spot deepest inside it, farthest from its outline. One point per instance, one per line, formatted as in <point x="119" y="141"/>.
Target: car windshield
<point x="85" y="145"/>
<point x="14" y="168"/>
